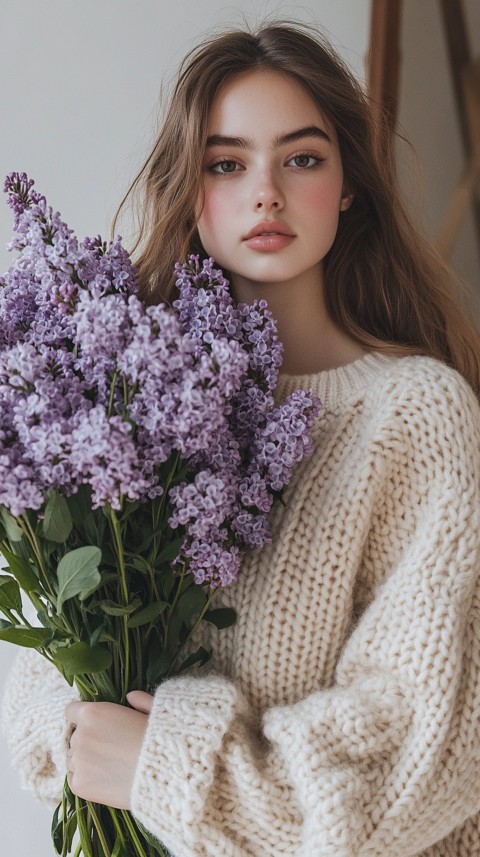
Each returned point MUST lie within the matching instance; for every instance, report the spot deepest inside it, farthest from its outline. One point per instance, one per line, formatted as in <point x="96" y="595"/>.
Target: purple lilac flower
<point x="104" y="455"/>
<point x="107" y="269"/>
<point x="206" y="308"/>
<point x="20" y="194"/>
<point x="285" y="439"/>
<point x="213" y="562"/>
<point x="265" y="441"/>
<point x="97" y="389"/>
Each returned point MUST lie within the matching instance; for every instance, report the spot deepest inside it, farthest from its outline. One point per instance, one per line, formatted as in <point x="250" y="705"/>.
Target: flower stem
<point x="133" y="833"/>
<point x="83" y="828"/>
<point x="175" y="599"/>
<point x="193" y="629"/>
<point x="99" y="830"/>
<point x="117" y="825"/>
<point x="158" y="511"/>
<point x="117" y="538"/>
<point x="112" y="393"/>
<point x="32" y="539"/>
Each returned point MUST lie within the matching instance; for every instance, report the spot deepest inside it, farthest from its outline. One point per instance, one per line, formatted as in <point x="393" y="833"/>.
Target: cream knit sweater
<point x="342" y="713"/>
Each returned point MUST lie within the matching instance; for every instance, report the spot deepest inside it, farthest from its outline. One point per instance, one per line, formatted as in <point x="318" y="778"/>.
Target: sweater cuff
<point x="175" y="771"/>
<point x="38" y="741"/>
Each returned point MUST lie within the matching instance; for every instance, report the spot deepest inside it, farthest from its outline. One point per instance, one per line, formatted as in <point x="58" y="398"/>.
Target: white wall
<point x="79" y="95"/>
<point x="81" y="83"/>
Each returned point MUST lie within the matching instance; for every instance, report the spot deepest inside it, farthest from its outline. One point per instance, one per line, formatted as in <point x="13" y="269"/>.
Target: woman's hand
<point x="105" y="747"/>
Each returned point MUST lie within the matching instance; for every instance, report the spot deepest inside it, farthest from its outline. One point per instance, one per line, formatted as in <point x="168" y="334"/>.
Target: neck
<point x="312" y="341"/>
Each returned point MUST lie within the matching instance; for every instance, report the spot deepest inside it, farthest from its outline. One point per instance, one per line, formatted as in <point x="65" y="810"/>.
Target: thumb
<point x="140" y="701"/>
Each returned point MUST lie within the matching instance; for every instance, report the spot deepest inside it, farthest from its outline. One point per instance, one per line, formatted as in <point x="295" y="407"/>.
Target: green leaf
<point x="201" y="656"/>
<point x="31" y="638"/>
<point x="191" y="603"/>
<point x="143" y="545"/>
<point x="43" y="618"/>
<point x="22" y="572"/>
<point x="14" y="531"/>
<point x="175" y="624"/>
<point x="104" y="689"/>
<point x="109" y="556"/>
<point x="57" y="521"/>
<point x="222" y="617"/>
<point x="78" y="574"/>
<point x="48" y="547"/>
<point x="91" y="524"/>
<point x="151" y="839"/>
<point x="111" y="608"/>
<point x="81" y="658"/>
<point x="57" y="829"/>
<point x="148" y="614"/>
<point x="10" y="598"/>
<point x="90" y="528"/>
<point x="170" y="551"/>
<point x="185" y="583"/>
<point x="167" y="583"/>
<point x="95" y="634"/>
<point x="158" y="667"/>
<point x="128" y="509"/>
<point x="71" y="830"/>
<point x="118" y="847"/>
<point x="139" y="564"/>
<point x="80" y="504"/>
<point x="64" y="827"/>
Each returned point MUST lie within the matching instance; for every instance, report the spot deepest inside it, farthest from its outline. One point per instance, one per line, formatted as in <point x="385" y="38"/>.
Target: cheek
<point x="323" y="200"/>
<point x="216" y="210"/>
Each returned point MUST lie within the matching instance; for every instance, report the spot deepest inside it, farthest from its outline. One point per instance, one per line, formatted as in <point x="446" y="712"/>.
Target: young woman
<point x="341" y="716"/>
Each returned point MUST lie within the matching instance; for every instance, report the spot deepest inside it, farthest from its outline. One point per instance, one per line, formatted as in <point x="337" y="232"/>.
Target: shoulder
<point x="412" y="376"/>
<point x="422" y="382"/>
<point x="429" y="403"/>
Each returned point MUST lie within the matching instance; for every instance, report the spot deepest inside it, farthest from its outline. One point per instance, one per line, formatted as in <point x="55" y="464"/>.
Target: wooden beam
<point x="383" y="61"/>
<point x="460" y="57"/>
<point x="456" y="36"/>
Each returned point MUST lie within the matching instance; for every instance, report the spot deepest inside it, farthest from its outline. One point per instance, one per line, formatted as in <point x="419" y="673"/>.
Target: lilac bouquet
<point x="141" y="450"/>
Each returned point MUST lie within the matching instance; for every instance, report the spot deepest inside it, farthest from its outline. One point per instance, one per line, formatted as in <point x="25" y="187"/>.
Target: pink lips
<point x="269" y="235"/>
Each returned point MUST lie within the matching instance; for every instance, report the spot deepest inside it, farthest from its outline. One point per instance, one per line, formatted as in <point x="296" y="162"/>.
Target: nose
<point x="268" y="194"/>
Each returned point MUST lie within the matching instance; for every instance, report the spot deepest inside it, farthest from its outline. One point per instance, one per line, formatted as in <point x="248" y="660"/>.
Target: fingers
<point x="73" y="711"/>
<point x="104" y="749"/>
<point x="140" y="701"/>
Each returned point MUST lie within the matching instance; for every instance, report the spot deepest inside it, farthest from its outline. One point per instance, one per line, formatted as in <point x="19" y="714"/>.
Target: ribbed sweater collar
<point x="336" y="386"/>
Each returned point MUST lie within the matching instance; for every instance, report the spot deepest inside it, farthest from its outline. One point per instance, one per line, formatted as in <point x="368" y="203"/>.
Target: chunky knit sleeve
<point x="384" y="761"/>
<point x="33" y="723"/>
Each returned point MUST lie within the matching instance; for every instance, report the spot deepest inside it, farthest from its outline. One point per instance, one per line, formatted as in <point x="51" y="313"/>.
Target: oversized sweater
<point x="340" y="715"/>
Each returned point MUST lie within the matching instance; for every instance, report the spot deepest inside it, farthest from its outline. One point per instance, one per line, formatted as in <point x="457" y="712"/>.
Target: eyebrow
<point x="291" y="137"/>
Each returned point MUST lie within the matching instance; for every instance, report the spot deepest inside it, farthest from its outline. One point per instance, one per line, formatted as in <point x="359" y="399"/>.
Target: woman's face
<point x="272" y="181"/>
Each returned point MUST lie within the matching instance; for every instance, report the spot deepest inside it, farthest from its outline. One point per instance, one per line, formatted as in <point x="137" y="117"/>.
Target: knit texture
<point x="340" y="716"/>
<point x="34" y="725"/>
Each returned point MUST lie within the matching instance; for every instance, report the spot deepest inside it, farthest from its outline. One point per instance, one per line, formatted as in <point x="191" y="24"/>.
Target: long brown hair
<point x="384" y="284"/>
